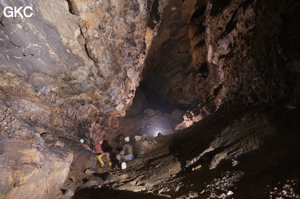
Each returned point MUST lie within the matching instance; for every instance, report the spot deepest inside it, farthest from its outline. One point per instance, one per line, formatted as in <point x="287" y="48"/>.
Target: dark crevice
<point x="155" y="101"/>
<point x="218" y="6"/>
<point x="199" y="44"/>
<point x="198" y="13"/>
<point x="230" y="26"/>
<point x="154" y="16"/>
<point x="88" y="53"/>
<point x="233" y="21"/>
<point x="204" y="69"/>
<point x="217" y="90"/>
<point x="72" y="8"/>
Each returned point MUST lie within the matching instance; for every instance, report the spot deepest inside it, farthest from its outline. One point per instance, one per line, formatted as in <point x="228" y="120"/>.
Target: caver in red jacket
<point x="98" y="149"/>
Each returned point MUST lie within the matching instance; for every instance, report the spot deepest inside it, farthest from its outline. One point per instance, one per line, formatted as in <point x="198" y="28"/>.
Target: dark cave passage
<point x="156" y="102"/>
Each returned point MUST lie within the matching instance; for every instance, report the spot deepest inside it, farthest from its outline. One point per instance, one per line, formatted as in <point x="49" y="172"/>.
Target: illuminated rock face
<point x="69" y="63"/>
<point x="91" y="58"/>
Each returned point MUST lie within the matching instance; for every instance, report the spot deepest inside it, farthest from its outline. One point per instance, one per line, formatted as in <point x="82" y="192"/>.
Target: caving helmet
<point x="127" y="139"/>
<point x="81" y="141"/>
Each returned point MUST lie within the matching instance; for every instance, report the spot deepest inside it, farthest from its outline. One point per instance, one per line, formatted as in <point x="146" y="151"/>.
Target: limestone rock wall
<point x="26" y="164"/>
<point x="212" y="52"/>
<point x="70" y="63"/>
<point x="169" y="69"/>
<point x="91" y="59"/>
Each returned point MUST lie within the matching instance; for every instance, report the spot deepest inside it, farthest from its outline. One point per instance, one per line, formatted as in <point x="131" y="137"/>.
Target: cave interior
<point x="206" y="90"/>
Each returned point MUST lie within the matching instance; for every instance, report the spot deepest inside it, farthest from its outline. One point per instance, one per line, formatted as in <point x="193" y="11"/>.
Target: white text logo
<point x="18" y="11"/>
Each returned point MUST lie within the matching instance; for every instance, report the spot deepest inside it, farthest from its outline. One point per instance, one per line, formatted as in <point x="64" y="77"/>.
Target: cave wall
<point x="91" y="59"/>
<point x="169" y="70"/>
<point x="68" y="65"/>
<point x="250" y="51"/>
<point x="28" y="163"/>
<point x="214" y="52"/>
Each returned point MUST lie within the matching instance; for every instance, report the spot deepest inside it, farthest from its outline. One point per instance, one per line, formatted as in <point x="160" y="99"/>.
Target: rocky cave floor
<point x="242" y="153"/>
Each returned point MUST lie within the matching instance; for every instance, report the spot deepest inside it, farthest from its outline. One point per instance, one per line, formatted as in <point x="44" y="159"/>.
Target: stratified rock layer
<point x="69" y="63"/>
